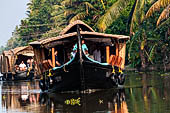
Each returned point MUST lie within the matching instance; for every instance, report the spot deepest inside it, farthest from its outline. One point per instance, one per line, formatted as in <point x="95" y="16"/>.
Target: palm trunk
<point x="142" y="56"/>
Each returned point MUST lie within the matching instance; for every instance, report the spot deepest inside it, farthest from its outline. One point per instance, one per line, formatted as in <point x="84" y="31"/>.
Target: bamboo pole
<point x="117" y="49"/>
<point x="107" y="53"/>
<point x="53" y="57"/>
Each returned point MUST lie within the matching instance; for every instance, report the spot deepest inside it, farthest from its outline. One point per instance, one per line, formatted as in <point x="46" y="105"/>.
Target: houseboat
<point x="17" y="63"/>
<point x="80" y="59"/>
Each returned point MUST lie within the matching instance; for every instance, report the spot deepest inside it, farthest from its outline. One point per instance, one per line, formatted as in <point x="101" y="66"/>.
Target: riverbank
<point x="155" y="67"/>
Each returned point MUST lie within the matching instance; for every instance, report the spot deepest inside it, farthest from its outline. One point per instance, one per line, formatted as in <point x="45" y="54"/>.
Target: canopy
<point x="91" y="36"/>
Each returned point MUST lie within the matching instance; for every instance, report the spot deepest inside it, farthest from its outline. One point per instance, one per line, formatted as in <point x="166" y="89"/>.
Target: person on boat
<point x="17" y="65"/>
<point x="84" y="48"/>
<point x="28" y="63"/>
<point x="22" y="66"/>
<point x="97" y="54"/>
<point x="56" y="58"/>
<point x="16" y="68"/>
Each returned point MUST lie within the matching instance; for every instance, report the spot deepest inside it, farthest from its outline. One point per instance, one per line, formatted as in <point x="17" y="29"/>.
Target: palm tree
<point x="136" y="16"/>
<point x="163" y="16"/>
<point x="77" y="10"/>
<point x="156" y="7"/>
<point x="111" y="14"/>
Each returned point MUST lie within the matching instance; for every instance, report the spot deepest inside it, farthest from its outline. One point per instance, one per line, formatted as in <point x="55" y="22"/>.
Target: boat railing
<point x="67" y="63"/>
<point x="96" y="61"/>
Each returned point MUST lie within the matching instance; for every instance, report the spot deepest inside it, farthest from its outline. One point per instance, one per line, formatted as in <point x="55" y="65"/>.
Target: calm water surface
<point x="142" y="93"/>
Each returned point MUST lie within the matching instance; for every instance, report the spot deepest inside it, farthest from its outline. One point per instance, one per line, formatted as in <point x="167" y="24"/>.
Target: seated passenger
<point x="56" y="59"/>
<point x="97" y="54"/>
<point x="16" y="67"/>
<point x="22" y="66"/>
<point x="84" y="48"/>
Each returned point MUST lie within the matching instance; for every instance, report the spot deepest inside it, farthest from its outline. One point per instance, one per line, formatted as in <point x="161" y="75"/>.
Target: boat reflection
<point x="25" y="97"/>
<point x="20" y="96"/>
<point x="110" y="101"/>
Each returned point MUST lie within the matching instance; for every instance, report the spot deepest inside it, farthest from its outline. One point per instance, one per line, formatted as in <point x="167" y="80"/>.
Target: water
<point x="142" y="93"/>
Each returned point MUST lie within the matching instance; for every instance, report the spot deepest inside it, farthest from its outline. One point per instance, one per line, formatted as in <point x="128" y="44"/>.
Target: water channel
<point x="143" y="93"/>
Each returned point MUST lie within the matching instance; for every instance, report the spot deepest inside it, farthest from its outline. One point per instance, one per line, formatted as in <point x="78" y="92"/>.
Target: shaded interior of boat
<point x="22" y="74"/>
<point x="11" y="59"/>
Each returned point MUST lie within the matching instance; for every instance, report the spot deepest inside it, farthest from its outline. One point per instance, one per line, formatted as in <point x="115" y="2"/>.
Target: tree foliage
<point x="137" y="18"/>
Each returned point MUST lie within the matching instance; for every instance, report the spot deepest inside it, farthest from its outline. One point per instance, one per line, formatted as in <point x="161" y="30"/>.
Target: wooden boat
<point x="12" y="58"/>
<point x="81" y="72"/>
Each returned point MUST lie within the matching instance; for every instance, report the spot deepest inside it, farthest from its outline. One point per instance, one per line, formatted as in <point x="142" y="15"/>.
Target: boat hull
<point x="74" y="77"/>
<point x="23" y="75"/>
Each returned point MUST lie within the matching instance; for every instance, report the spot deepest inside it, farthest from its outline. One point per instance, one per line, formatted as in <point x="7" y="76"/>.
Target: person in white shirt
<point x="22" y="66"/>
<point x="97" y="54"/>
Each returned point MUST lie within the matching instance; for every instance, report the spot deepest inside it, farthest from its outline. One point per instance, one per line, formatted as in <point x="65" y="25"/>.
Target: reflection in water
<point x="144" y="92"/>
<point x="147" y="93"/>
<point x="19" y="96"/>
<point x="111" y="101"/>
<point x="26" y="97"/>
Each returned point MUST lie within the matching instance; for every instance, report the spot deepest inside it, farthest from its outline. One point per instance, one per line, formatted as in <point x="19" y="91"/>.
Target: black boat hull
<point x="24" y="75"/>
<point x="74" y="77"/>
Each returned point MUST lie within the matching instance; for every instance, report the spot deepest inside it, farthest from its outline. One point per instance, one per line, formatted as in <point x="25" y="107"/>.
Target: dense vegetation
<point x="146" y="21"/>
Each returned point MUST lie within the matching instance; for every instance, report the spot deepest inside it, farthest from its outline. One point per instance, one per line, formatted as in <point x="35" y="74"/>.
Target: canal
<point x="143" y="93"/>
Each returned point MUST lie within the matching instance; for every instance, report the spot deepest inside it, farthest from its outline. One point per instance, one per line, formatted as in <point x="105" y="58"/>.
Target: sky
<point x="11" y="14"/>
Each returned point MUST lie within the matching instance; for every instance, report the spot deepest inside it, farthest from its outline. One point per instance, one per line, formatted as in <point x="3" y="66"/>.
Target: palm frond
<point x="151" y="54"/>
<point x="88" y="6"/>
<point x="138" y="15"/>
<point x="164" y="14"/>
<point x="79" y="16"/>
<point x="57" y="10"/>
<point x="68" y="12"/>
<point x="56" y="7"/>
<point x="57" y="17"/>
<point x="111" y="14"/>
<point x="156" y="7"/>
<point x="103" y="4"/>
<point x="66" y="3"/>
<point x="165" y="23"/>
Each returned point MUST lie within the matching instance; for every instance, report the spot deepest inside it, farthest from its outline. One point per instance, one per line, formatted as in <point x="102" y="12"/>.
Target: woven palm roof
<point x="7" y="53"/>
<point x="22" y="50"/>
<point x="73" y="28"/>
<point x="83" y="33"/>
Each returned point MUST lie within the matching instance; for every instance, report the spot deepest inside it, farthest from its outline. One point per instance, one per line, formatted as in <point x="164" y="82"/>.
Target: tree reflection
<point x="147" y="92"/>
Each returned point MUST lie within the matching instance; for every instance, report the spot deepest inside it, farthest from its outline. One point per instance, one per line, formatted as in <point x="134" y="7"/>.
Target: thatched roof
<point x="70" y="33"/>
<point x="73" y="28"/>
<point x="22" y="50"/>
<point x="85" y="34"/>
<point x="7" y="53"/>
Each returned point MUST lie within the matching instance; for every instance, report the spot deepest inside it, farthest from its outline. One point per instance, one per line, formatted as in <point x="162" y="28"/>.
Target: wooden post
<point x="107" y="53"/>
<point x="122" y="52"/>
<point x="117" y="49"/>
<point x="53" y="57"/>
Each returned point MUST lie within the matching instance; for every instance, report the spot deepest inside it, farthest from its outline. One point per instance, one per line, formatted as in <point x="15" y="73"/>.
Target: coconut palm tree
<point x="77" y="10"/>
<point x="111" y="14"/>
<point x="163" y="16"/>
<point x="135" y="19"/>
<point x="156" y="7"/>
<point x="136" y="16"/>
